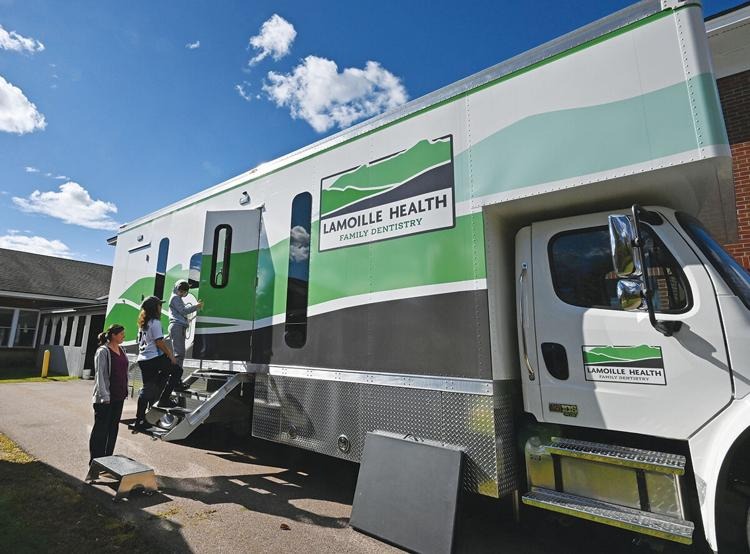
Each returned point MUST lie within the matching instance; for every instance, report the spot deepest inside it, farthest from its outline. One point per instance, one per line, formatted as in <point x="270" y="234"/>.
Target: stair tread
<point x="659" y="525"/>
<point x="622" y="455"/>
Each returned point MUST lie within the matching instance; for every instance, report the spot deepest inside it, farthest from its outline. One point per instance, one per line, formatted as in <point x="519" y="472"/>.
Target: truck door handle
<point x="556" y="360"/>
<point x="522" y="311"/>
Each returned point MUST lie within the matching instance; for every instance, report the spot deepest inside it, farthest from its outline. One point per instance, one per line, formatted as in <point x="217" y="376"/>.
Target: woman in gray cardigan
<point x="110" y="391"/>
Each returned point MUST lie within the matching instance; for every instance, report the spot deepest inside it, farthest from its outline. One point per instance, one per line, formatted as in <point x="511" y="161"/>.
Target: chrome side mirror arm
<point x="666" y="328"/>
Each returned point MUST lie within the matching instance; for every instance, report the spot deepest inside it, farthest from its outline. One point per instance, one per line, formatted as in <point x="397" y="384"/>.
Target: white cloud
<point x="316" y="92"/>
<point x="62" y="177"/>
<point x="275" y="39"/>
<point x="17" y="113"/>
<point x="73" y="204"/>
<point x="30" y="169"/>
<point x="35" y="244"/>
<point x="48" y="174"/>
<point x="242" y="91"/>
<point x="193" y="45"/>
<point x="299" y="247"/>
<point x="18" y="43"/>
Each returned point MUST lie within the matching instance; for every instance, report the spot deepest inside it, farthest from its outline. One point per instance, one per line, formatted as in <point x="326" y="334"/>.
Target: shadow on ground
<point x="45" y="510"/>
<point x="484" y="524"/>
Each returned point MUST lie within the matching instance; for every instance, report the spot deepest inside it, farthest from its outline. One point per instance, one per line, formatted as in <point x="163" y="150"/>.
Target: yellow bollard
<point x="45" y="364"/>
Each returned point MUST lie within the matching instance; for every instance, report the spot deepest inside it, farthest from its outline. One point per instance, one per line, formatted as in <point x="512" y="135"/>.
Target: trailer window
<point x="220" y="256"/>
<point x="295" y="332"/>
<point x="582" y="273"/>
<point x="161" y="268"/>
<point x="194" y="274"/>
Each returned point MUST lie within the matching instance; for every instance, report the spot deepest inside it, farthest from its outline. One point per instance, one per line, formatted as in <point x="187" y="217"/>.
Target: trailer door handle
<point x="522" y="311"/>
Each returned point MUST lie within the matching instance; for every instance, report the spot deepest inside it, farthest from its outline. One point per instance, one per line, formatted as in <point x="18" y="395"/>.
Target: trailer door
<point x="599" y="366"/>
<point x="228" y="278"/>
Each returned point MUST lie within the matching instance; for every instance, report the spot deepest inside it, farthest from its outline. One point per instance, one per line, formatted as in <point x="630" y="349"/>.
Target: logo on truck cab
<point x="638" y="365"/>
<point x="402" y="194"/>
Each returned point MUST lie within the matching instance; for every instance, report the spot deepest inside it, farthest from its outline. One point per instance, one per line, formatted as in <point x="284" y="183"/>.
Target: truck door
<point x="600" y="366"/>
<point x="228" y="278"/>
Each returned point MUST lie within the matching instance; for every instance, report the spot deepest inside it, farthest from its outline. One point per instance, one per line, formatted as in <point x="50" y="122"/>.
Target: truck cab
<point x="633" y="326"/>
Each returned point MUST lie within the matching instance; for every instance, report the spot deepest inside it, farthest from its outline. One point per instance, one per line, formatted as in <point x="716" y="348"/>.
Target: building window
<point x="26" y="328"/>
<point x="295" y="331"/>
<point x="79" y="331"/>
<point x="68" y="326"/>
<point x="6" y="324"/>
<point x="161" y="268"/>
<point x="47" y="330"/>
<point x="56" y="338"/>
<point x="220" y="256"/>
<point x="18" y="327"/>
<point x="582" y="272"/>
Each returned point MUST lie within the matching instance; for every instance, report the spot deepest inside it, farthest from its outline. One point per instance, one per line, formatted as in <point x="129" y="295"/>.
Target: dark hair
<point x="149" y="311"/>
<point x="106" y="336"/>
<point x="183" y="286"/>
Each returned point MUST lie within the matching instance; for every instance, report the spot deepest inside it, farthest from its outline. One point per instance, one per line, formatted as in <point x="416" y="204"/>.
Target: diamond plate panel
<point x="266" y="410"/>
<point x="468" y="421"/>
<point x="505" y="440"/>
<point x="403" y="411"/>
<point x="313" y="413"/>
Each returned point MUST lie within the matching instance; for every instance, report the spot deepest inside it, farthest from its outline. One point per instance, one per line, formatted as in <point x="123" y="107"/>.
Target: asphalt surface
<point x="218" y="492"/>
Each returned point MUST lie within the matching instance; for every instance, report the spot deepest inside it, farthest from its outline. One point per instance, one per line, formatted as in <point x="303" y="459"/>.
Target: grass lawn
<point x="29" y="376"/>
<point x="42" y="512"/>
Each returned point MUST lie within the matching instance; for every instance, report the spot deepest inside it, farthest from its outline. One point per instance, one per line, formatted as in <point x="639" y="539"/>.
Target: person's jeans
<point x="106" y="425"/>
<point x="159" y="378"/>
<point x="177" y="335"/>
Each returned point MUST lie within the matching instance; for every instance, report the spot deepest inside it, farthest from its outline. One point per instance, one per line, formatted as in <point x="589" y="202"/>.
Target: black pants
<point x="104" y="433"/>
<point x="159" y="378"/>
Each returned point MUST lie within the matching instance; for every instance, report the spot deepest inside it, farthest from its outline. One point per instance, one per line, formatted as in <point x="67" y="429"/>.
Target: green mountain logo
<point x="623" y="356"/>
<point x="357" y="188"/>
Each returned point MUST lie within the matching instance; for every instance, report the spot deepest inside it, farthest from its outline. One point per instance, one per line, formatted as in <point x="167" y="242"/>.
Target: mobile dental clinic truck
<point x="514" y="264"/>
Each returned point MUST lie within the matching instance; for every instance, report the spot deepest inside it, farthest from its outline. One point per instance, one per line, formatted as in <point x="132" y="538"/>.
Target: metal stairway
<point x="629" y="488"/>
<point x="205" y="391"/>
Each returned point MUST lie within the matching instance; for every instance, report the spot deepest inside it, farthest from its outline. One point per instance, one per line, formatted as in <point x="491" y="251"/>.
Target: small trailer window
<point x="295" y="332"/>
<point x="220" y="256"/>
<point x="194" y="274"/>
<point x="582" y="272"/>
<point x="161" y="268"/>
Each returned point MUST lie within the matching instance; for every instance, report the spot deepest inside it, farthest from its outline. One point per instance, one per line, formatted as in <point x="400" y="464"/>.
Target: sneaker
<point x="167" y="403"/>
<point x="140" y="425"/>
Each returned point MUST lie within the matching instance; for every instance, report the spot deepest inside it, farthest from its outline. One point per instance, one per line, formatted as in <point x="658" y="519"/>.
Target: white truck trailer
<point x="513" y="264"/>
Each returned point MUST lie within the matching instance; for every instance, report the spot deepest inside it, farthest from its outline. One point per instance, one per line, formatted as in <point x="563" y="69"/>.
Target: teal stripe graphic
<point x="581" y="141"/>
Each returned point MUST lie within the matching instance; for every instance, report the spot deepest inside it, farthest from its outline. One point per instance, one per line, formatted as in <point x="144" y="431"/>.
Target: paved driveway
<point x="220" y="493"/>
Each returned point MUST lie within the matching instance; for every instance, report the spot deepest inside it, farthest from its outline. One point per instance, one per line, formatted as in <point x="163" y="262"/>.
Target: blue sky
<point x="138" y="104"/>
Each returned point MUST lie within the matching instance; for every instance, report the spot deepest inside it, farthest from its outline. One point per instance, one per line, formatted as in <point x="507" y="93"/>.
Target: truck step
<point x="646" y="523"/>
<point x="208" y="374"/>
<point x="650" y="460"/>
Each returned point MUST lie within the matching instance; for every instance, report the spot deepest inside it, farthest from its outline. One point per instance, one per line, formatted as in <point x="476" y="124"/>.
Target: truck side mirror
<point x="626" y="258"/>
<point x="630" y="294"/>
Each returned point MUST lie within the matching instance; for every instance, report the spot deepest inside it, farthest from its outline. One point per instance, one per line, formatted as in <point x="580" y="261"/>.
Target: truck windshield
<point x="733" y="273"/>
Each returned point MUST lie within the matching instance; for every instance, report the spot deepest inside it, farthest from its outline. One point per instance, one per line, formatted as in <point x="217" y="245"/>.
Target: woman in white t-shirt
<point x="156" y="361"/>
